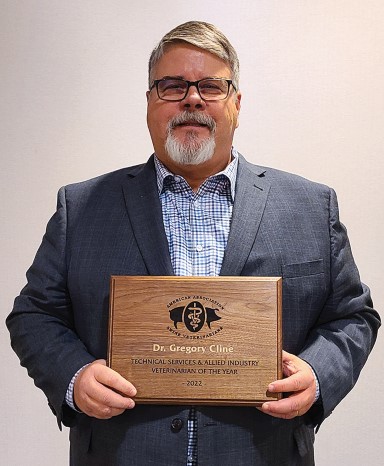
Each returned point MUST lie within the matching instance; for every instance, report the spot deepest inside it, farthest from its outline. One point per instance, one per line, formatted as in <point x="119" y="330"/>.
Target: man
<point x="195" y="208"/>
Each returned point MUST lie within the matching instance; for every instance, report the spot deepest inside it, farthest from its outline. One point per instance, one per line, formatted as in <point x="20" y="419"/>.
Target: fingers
<point x="101" y="392"/>
<point x="100" y="410"/>
<point x="295" y="405"/>
<point x="298" y="373"/>
<point x="294" y="383"/>
<point x="299" y="382"/>
<point x="112" y="379"/>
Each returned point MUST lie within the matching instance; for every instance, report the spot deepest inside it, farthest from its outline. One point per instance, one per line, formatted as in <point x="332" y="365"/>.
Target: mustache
<point x="192" y="117"/>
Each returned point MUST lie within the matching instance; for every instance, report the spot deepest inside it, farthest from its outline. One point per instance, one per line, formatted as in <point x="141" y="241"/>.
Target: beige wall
<point x="72" y="100"/>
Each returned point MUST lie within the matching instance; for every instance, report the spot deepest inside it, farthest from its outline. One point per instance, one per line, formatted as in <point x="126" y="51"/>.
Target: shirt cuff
<point x="69" y="394"/>
<point x="317" y="396"/>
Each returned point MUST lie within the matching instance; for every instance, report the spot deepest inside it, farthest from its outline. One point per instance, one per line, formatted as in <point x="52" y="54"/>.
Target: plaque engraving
<point x="197" y="340"/>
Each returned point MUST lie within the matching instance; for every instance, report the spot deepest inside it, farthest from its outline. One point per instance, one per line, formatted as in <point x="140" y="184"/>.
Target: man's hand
<point x="300" y="382"/>
<point x="101" y="392"/>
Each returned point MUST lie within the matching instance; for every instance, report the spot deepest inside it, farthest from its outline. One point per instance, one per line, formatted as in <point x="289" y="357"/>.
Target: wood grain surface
<point x="196" y="340"/>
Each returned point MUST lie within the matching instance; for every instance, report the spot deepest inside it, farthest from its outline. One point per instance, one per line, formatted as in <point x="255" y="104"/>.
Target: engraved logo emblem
<point x="194" y="315"/>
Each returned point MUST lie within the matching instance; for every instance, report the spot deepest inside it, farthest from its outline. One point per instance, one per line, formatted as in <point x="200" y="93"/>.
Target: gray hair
<point x="202" y="35"/>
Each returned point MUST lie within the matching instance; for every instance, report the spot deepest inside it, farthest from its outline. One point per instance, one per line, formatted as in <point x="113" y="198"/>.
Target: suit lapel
<point x="144" y="210"/>
<point x="250" y="198"/>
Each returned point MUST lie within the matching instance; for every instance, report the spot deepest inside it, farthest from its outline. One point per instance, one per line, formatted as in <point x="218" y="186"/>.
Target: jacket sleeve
<point x="338" y="346"/>
<point x="41" y="323"/>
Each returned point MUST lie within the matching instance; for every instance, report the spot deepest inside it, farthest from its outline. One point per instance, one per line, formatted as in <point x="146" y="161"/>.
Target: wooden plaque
<point x="197" y="340"/>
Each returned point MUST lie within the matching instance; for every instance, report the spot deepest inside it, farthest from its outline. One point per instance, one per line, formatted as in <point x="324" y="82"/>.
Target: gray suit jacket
<point x="282" y="225"/>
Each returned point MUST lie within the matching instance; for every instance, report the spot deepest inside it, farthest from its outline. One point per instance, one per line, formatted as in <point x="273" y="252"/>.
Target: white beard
<point x="191" y="151"/>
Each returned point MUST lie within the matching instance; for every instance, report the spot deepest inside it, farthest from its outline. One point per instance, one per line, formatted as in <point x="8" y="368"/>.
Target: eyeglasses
<point x="175" y="90"/>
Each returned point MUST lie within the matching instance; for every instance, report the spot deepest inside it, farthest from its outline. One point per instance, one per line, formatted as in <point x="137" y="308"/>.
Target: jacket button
<point x="176" y="425"/>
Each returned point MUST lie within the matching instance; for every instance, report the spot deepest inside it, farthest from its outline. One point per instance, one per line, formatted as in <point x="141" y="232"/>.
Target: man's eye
<point x="213" y="84"/>
<point x="212" y="87"/>
<point x="172" y="86"/>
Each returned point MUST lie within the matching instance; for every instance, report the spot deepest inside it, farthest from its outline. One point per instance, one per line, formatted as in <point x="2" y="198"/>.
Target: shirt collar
<point x="230" y="172"/>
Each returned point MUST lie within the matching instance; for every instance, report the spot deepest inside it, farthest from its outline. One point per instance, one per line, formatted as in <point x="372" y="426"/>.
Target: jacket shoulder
<point x="280" y="179"/>
<point x="107" y="179"/>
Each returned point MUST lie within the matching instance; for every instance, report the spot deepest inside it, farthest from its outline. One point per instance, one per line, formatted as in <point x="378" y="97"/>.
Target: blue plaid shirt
<point x="197" y="224"/>
<point x="197" y="228"/>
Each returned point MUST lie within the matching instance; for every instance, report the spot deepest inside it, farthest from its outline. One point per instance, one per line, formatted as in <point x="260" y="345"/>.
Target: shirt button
<point x="176" y="425"/>
<point x="199" y="248"/>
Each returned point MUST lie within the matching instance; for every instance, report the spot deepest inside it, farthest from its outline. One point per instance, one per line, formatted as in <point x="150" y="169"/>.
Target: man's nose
<point x="193" y="99"/>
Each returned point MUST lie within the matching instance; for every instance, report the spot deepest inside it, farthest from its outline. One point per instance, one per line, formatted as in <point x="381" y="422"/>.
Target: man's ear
<point x="238" y="100"/>
<point x="147" y="95"/>
<point x="238" y="106"/>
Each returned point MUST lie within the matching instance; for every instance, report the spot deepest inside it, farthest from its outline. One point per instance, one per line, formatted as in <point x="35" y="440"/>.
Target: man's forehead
<point x="181" y="57"/>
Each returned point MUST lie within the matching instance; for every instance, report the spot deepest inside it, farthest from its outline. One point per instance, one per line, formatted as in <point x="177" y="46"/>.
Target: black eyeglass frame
<point x="189" y="84"/>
